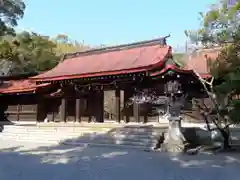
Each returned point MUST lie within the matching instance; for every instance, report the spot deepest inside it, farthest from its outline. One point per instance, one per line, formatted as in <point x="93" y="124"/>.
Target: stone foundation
<point x="175" y="140"/>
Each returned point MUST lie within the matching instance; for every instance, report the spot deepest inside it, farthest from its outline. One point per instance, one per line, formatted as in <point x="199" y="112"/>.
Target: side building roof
<point x="198" y="60"/>
<point x="20" y="86"/>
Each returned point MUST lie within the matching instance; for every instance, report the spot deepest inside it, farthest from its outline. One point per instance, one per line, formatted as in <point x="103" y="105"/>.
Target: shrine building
<point x="73" y="91"/>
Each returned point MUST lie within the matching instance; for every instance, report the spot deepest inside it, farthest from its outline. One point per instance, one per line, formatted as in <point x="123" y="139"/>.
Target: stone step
<point x="40" y="131"/>
<point x="82" y="129"/>
<point x="89" y="137"/>
<point x="109" y="145"/>
<point x="116" y="142"/>
<point x="31" y="140"/>
<point x="84" y="135"/>
<point x="97" y="127"/>
<point x="71" y="141"/>
<point x="128" y="142"/>
<point x="80" y="132"/>
<point x="133" y="136"/>
<point x="123" y="145"/>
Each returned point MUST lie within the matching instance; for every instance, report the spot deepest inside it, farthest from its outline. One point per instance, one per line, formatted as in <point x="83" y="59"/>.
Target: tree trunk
<point x="226" y="136"/>
<point x="222" y="141"/>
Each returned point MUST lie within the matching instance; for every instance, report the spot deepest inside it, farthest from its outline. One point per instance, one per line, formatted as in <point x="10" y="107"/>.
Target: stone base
<point x="175" y="141"/>
<point x="172" y="148"/>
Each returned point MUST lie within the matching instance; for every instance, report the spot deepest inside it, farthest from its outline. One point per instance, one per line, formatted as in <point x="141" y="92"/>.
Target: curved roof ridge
<point x="160" y="41"/>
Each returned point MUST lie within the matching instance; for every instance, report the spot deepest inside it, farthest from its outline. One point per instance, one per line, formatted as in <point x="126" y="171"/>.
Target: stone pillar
<point x="117" y="105"/>
<point x="78" y="110"/>
<point x="99" y="107"/>
<point x="63" y="110"/>
<point x="175" y="140"/>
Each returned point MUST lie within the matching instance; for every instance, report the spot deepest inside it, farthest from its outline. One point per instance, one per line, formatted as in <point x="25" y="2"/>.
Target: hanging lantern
<point x="172" y="87"/>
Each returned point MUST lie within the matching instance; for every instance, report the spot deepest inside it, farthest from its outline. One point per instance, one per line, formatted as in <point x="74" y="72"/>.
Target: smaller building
<point x="200" y="60"/>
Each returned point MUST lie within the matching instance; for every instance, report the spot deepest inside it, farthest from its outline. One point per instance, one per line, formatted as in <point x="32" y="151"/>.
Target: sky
<point x="112" y="22"/>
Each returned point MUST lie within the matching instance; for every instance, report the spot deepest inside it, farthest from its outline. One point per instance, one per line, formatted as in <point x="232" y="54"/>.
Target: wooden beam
<point x="127" y="95"/>
<point x="117" y="105"/>
<point x="78" y="110"/>
<point x="40" y="109"/>
<point x="99" y="106"/>
<point x="18" y="112"/>
<point x="145" y="118"/>
<point x="136" y="112"/>
<point x="63" y="109"/>
<point x="52" y="116"/>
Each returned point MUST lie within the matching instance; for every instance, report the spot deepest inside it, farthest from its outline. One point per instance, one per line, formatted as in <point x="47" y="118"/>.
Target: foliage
<point x="221" y="27"/>
<point x="227" y="68"/>
<point x="179" y="58"/>
<point x="32" y="52"/>
<point x="65" y="45"/>
<point x="218" y="25"/>
<point x="11" y="11"/>
<point x="28" y="52"/>
<point x="24" y="51"/>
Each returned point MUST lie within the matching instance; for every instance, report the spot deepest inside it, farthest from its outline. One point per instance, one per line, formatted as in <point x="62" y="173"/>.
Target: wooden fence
<point x="22" y="112"/>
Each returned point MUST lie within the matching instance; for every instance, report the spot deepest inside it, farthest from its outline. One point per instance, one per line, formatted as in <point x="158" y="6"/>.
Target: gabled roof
<point x="129" y="58"/>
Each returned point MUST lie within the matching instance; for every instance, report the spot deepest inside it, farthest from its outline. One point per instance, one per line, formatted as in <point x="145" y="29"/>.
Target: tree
<point x="65" y="45"/>
<point x="11" y="11"/>
<point x="27" y="52"/>
<point x="179" y="58"/>
<point x="221" y="27"/>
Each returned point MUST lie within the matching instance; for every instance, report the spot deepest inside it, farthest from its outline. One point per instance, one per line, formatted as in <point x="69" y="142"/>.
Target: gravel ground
<point x="32" y="161"/>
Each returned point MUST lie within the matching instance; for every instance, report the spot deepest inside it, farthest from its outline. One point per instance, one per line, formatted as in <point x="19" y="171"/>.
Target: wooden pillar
<point x="99" y="111"/>
<point x="78" y="110"/>
<point x="136" y="112"/>
<point x="90" y="109"/>
<point x="18" y="112"/>
<point x="117" y="105"/>
<point x="145" y="118"/>
<point x="52" y="116"/>
<point x="41" y="115"/>
<point x="127" y="95"/>
<point x="63" y="110"/>
<point x="145" y="111"/>
<point x="50" y="110"/>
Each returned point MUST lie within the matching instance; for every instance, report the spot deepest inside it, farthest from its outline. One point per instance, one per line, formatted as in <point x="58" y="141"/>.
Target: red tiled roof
<point x="18" y="86"/>
<point x="198" y="60"/>
<point x="108" y="62"/>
